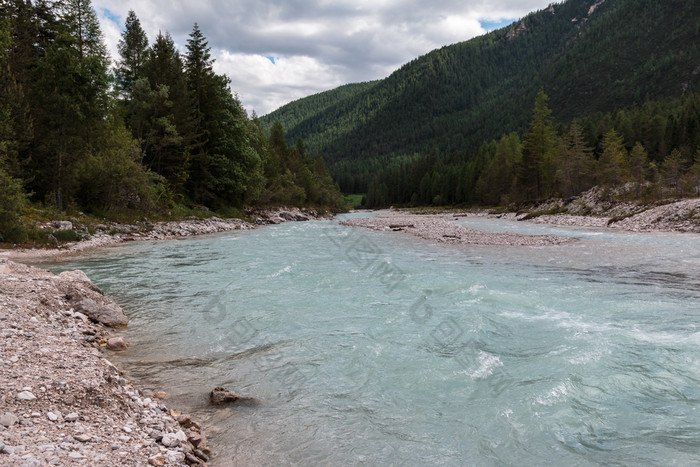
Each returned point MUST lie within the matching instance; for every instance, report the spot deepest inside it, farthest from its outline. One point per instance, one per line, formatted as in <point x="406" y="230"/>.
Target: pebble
<point x="83" y="438"/>
<point x="42" y="378"/>
<point x="170" y="440"/>
<point x="8" y="420"/>
<point x="26" y="396"/>
<point x="158" y="460"/>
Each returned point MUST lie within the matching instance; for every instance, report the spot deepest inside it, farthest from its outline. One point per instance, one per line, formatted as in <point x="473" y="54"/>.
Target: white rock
<point x="71" y="417"/>
<point x="170" y="440"/>
<point x="26" y="396"/>
<point x="52" y="416"/>
<point x="175" y="457"/>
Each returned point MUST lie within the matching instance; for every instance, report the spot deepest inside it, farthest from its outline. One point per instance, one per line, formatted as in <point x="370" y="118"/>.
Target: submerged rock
<point x="221" y="396"/>
<point x="116" y="344"/>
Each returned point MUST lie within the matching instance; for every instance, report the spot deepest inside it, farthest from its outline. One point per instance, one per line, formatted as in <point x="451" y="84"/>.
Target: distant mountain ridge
<point x="588" y="55"/>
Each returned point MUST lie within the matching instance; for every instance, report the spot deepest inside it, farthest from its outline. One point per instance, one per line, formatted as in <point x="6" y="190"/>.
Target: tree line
<point x="157" y="132"/>
<point x="625" y="53"/>
<point x="655" y="148"/>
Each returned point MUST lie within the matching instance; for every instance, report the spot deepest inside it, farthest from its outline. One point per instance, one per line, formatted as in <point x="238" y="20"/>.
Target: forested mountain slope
<point x="588" y="55"/>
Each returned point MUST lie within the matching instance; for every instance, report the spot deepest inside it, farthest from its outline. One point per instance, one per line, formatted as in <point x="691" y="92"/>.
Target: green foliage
<point x="535" y="172"/>
<point x="455" y="98"/>
<point x="496" y="182"/>
<point x="172" y="134"/>
<point x="575" y="164"/>
<point x="114" y="180"/>
<point x="133" y="49"/>
<point x="12" y="204"/>
<point x="614" y="164"/>
<point x="354" y="201"/>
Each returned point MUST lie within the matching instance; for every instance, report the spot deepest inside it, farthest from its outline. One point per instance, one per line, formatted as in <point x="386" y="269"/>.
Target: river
<point x="379" y="348"/>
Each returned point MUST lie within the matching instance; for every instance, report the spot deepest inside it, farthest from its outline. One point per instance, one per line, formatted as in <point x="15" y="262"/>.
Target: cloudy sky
<point x="276" y="51"/>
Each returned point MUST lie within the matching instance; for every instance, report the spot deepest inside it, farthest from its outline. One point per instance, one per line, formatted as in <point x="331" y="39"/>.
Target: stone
<point x="186" y="421"/>
<point x="191" y="459"/>
<point x="116" y="344"/>
<point x="175" y="457"/>
<point x="2" y="447"/>
<point x="31" y="461"/>
<point x="160" y="395"/>
<point x="71" y="417"/>
<point x="220" y="396"/>
<point x="61" y="225"/>
<point x="8" y="420"/>
<point x="26" y="396"/>
<point x="170" y="440"/>
<point x="195" y="439"/>
<point x="201" y="455"/>
<point x="52" y="416"/>
<point x="82" y="437"/>
<point x="70" y="400"/>
<point x="108" y="314"/>
<point x="158" y="460"/>
<point x="181" y="436"/>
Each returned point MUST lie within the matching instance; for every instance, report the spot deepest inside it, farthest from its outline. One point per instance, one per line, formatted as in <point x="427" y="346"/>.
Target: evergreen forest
<point x="457" y="125"/>
<point x="152" y="133"/>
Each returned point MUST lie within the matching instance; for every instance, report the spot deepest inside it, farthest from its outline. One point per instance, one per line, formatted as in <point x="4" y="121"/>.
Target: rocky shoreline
<point x="61" y="400"/>
<point x="440" y="228"/>
<point x="597" y="207"/>
<point x="114" y="233"/>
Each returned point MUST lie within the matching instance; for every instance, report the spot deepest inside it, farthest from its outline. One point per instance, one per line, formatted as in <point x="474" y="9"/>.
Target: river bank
<point x="61" y="400"/>
<point x="113" y="233"/>
<point x="440" y="228"/>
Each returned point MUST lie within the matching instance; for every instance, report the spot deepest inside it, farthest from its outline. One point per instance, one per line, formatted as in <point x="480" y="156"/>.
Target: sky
<point x="277" y="51"/>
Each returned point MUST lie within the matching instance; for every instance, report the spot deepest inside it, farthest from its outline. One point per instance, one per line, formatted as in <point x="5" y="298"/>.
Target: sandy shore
<point x="442" y="229"/>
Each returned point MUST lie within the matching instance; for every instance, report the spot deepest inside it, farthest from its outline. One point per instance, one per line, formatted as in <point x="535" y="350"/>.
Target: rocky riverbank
<point x="112" y="233"/>
<point x="440" y="228"/>
<point x="598" y="208"/>
<point x="61" y="401"/>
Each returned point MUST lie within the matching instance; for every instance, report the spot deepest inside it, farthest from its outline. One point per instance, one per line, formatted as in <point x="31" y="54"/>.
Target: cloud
<point x="316" y="44"/>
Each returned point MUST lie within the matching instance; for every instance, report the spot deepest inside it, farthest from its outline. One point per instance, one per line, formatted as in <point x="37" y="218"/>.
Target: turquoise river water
<point x="374" y="348"/>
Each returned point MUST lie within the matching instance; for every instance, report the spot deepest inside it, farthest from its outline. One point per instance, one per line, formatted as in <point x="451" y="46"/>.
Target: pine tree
<point x="133" y="49"/>
<point x="68" y="98"/>
<point x="639" y="165"/>
<point x="576" y="164"/>
<point x="672" y="170"/>
<point x="613" y="164"/>
<point x="535" y="173"/>
<point x="496" y="182"/>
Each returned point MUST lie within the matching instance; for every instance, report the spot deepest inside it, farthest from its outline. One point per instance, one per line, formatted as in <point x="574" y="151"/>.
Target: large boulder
<point x="106" y="313"/>
<point x="61" y="225"/>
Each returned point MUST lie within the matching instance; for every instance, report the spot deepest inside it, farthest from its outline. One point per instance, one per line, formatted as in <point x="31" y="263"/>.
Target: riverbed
<point x="380" y="348"/>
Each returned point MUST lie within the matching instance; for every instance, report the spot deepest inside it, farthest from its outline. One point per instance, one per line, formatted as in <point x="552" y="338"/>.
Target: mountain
<point x="588" y="55"/>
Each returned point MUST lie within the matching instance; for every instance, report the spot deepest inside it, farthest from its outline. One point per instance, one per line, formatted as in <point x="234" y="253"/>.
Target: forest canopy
<point x="153" y="131"/>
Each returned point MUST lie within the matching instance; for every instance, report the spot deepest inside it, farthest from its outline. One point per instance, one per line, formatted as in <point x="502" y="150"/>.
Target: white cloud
<point x="318" y="44"/>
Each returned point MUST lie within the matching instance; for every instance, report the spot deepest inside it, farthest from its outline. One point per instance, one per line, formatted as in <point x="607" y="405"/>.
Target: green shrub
<point x="13" y="202"/>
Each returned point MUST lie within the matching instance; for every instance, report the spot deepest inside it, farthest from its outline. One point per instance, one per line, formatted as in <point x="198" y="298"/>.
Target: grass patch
<point x="353" y="201"/>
